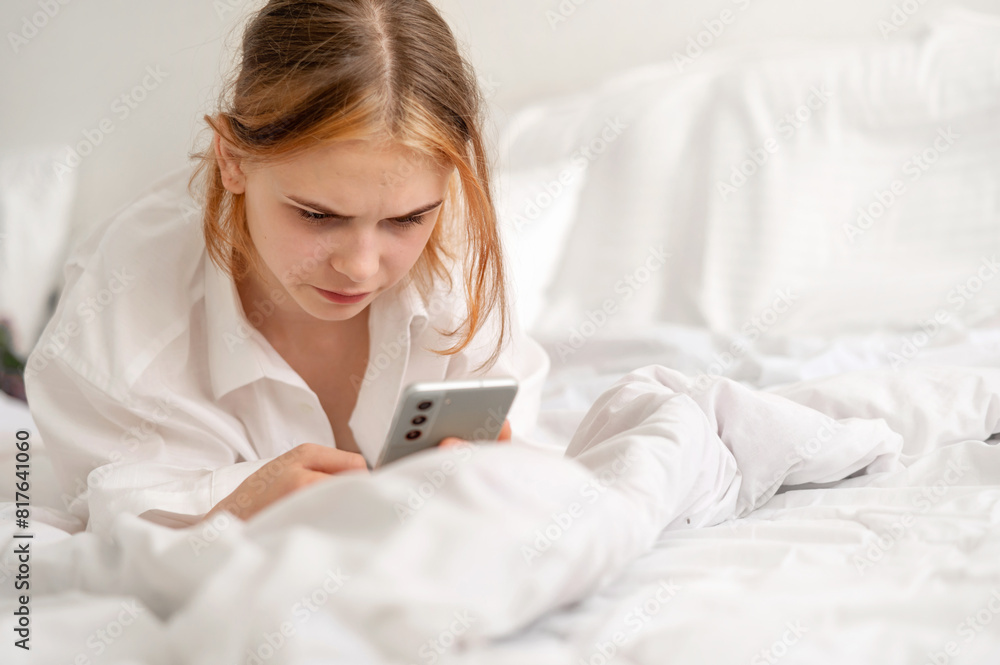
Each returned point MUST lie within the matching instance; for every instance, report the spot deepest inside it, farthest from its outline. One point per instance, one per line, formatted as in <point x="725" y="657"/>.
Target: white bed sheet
<point x="803" y="579"/>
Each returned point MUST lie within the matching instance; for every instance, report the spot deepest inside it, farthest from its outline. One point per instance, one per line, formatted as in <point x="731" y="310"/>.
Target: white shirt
<point x="152" y="391"/>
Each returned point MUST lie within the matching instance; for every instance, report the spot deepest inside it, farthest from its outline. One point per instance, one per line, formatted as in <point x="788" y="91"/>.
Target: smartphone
<point x="473" y="410"/>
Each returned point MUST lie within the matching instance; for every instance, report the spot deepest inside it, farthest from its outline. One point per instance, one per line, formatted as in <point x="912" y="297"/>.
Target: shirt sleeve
<point x="133" y="455"/>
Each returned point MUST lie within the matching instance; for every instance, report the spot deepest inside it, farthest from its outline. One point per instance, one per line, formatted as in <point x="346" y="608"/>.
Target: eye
<point x="411" y="221"/>
<point x="312" y="217"/>
<point x="318" y="218"/>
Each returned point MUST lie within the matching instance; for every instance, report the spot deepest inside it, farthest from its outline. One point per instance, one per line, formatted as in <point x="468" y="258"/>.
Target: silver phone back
<point x="473" y="409"/>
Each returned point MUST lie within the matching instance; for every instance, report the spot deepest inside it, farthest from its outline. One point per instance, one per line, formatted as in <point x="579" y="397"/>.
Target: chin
<point x="330" y="312"/>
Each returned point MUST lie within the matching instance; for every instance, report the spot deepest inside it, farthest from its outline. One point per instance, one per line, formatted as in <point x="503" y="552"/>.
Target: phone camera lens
<point x="419" y="420"/>
<point x="413" y="434"/>
<point x="423" y="406"/>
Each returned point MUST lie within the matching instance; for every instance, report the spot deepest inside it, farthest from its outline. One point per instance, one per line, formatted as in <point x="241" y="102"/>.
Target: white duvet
<point x="499" y="554"/>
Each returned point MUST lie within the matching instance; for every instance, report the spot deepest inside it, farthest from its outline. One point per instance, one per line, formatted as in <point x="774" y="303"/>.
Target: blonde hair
<point x="314" y="71"/>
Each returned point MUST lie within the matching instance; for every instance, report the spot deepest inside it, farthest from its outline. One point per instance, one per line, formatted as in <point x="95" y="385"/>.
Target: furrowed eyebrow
<point x="323" y="210"/>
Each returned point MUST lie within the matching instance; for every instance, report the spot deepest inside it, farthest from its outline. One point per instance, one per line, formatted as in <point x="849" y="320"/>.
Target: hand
<point x="301" y="466"/>
<point x="455" y="441"/>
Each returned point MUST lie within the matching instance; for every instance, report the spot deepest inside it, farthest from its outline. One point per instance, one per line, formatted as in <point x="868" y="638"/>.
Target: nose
<point x="356" y="255"/>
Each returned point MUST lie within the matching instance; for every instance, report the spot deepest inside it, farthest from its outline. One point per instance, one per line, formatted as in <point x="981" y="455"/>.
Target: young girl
<point x="348" y="247"/>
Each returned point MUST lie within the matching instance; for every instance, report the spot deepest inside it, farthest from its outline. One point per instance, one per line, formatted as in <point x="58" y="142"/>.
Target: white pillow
<point x="780" y="249"/>
<point x="536" y="208"/>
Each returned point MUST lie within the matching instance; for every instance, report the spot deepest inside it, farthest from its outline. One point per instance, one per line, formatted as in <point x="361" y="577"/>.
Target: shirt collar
<point x="232" y="354"/>
<point x="408" y="302"/>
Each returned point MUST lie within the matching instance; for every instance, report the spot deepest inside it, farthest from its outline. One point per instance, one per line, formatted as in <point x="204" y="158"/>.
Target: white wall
<point x="66" y="79"/>
<point x="527" y="47"/>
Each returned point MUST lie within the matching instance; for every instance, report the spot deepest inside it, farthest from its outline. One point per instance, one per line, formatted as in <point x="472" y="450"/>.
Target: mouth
<point x="342" y="298"/>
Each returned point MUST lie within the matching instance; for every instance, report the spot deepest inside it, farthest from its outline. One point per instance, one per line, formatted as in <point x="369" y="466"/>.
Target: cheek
<point x="284" y="249"/>
<point x="410" y="248"/>
<point x="299" y="255"/>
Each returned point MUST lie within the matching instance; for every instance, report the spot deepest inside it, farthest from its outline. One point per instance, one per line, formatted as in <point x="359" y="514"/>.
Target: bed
<point x="766" y="287"/>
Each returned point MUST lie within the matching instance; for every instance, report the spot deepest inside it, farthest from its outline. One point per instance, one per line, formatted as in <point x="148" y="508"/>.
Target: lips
<point x="342" y="298"/>
<point x="346" y="294"/>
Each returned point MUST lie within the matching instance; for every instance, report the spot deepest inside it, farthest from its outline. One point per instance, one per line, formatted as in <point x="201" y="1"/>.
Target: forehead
<point x="362" y="163"/>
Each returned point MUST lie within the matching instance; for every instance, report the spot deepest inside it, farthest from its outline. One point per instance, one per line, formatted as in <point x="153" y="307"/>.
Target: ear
<point x="233" y="177"/>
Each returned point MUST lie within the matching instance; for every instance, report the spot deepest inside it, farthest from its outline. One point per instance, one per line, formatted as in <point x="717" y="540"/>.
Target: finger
<point x="505" y="432"/>
<point x="308" y="477"/>
<point x="331" y="460"/>
<point x="452" y="441"/>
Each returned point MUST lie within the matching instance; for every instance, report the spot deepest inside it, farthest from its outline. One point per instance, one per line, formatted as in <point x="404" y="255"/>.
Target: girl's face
<point x="340" y="224"/>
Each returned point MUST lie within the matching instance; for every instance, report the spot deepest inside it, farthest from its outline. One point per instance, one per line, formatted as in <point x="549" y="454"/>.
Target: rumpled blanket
<point x="444" y="555"/>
